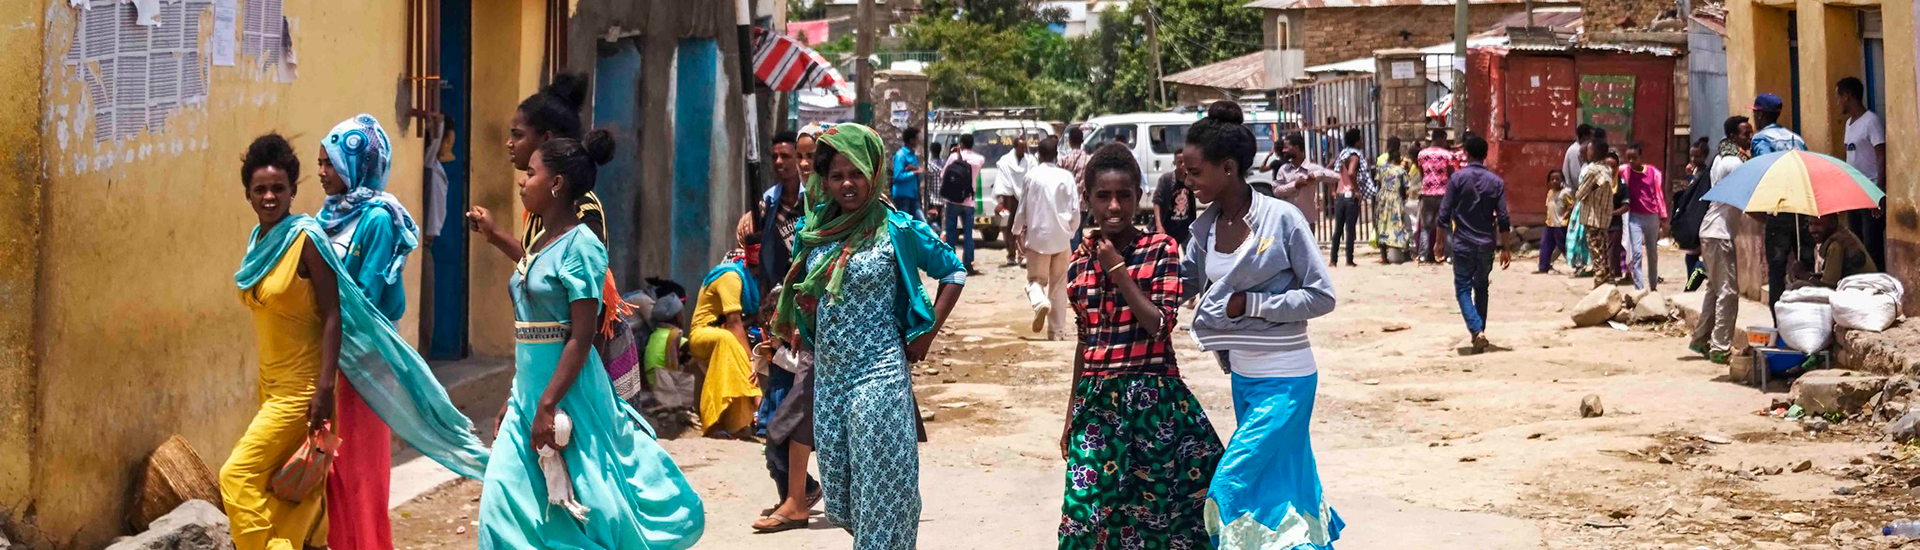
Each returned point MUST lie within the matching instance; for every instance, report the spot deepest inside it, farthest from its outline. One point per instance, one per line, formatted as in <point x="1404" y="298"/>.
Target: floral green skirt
<point x="1140" y="457"/>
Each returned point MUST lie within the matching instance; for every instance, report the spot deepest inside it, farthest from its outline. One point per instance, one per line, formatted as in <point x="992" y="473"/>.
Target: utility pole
<point x="862" y="52"/>
<point x="1153" y="48"/>
<point x="1460" y="76"/>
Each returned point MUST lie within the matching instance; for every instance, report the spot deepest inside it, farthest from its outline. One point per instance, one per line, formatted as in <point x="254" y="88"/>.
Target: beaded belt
<point x="535" y="333"/>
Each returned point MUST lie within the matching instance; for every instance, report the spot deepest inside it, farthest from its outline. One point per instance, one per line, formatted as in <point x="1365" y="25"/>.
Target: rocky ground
<point x="1420" y="445"/>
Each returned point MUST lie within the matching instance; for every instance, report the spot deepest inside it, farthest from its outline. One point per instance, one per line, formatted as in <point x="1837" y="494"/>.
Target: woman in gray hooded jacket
<point x="1263" y="276"/>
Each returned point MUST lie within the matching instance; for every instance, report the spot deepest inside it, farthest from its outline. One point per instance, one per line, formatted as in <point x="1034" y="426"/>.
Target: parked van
<point x="992" y="138"/>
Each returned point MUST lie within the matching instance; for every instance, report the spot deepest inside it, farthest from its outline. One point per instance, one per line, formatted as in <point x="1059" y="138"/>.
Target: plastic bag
<point x="1869" y="302"/>
<point x="1806" y="326"/>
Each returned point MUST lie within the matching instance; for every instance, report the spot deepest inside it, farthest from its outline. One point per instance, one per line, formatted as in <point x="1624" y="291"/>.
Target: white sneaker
<point x="1040" y="317"/>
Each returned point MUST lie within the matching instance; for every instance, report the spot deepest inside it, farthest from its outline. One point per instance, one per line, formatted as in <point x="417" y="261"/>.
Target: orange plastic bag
<point x="307" y="469"/>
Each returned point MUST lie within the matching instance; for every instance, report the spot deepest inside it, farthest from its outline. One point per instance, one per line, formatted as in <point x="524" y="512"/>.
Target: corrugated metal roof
<point x="1314" y="4"/>
<point x="1247" y="72"/>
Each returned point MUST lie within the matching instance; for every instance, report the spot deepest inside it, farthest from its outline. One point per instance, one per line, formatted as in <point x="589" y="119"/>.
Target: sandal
<point x="779" y="524"/>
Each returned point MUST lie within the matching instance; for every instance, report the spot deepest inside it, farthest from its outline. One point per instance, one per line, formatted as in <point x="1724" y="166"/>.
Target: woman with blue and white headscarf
<point x="372" y="234"/>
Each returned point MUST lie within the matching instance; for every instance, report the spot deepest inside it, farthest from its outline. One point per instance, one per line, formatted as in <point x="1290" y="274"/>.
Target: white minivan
<point x="992" y="138"/>
<point x="1156" y="137"/>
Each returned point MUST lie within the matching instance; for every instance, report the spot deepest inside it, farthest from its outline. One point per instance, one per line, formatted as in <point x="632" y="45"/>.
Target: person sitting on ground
<point x="728" y="297"/>
<point x="1840" y="255"/>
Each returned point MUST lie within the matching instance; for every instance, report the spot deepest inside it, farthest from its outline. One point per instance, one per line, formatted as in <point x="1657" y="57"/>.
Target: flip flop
<point x="780" y="524"/>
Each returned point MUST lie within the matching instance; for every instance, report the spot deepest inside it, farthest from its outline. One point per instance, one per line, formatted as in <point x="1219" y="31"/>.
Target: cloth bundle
<point x="1868" y="301"/>
<point x="554" y="468"/>
<point x="1805" y="318"/>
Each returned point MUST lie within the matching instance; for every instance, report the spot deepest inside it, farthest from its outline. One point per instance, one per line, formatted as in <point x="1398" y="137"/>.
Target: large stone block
<point x="1597" y="307"/>
<point x="196" y="525"/>
<point x="1830" y="391"/>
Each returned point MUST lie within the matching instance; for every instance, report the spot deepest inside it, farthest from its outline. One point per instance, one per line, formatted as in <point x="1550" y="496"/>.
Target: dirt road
<point x="1419" y="446"/>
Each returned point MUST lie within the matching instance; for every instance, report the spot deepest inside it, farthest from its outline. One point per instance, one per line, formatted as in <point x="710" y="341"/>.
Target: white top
<point x="1258" y="364"/>
<point x="343" y="241"/>
<point x="1863" y="134"/>
<point x="1013" y="173"/>
<point x="1570" y="167"/>
<point x="1718" y="222"/>
<point x="1050" y="213"/>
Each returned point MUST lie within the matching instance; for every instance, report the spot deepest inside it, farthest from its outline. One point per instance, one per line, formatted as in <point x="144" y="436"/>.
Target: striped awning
<point x="786" y="65"/>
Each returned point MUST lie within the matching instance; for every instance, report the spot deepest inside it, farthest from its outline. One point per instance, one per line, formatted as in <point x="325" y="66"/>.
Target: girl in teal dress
<point x="856" y="302"/>
<point x="634" y="495"/>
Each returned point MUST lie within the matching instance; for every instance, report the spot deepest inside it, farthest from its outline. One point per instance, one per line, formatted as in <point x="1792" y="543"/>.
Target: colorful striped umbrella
<point x="786" y="65"/>
<point x="1796" y="182"/>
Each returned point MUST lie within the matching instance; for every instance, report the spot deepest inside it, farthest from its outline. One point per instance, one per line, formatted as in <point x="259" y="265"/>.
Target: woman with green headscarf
<point x="854" y="298"/>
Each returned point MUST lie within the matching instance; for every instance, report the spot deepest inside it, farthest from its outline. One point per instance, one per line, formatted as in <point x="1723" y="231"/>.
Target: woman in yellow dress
<point x="728" y="299"/>
<point x="314" y="328"/>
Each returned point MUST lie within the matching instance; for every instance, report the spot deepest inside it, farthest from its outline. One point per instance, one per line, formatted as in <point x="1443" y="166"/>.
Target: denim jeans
<point x="1470" y="271"/>
<point x="958" y="222"/>
<point x="1346" y="217"/>
<point x="1642" y="250"/>
<point x="910" y="206"/>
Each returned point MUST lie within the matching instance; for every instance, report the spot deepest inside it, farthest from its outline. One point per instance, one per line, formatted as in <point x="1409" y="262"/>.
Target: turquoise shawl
<point x="388" y="374"/>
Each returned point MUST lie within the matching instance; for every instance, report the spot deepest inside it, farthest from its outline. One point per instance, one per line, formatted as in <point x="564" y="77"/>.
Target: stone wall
<point x="1338" y="34"/>
<point x="1403" y="101"/>
<point x="1614" y="15"/>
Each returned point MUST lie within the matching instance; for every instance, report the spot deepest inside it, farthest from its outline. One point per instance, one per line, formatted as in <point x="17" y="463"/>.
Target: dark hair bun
<point x="600" y="145"/>
<point x="569" y="88"/>
<point x="1226" y="111"/>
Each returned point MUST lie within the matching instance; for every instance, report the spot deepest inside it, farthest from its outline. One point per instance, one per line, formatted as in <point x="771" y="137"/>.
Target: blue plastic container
<point x="1779" y="360"/>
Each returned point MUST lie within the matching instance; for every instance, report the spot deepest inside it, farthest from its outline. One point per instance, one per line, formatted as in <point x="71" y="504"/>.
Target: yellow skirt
<point x="259" y="520"/>
<point x="727" y="396"/>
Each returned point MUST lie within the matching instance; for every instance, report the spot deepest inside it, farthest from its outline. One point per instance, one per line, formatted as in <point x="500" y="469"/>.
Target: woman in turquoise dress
<point x="630" y="494"/>
<point x="856" y="302"/>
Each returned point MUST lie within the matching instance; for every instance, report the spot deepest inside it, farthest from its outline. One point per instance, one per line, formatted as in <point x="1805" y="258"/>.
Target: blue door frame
<point x="449" y="251"/>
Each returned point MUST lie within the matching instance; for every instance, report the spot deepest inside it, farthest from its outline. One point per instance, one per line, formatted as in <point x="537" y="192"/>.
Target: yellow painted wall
<point x="21" y="186"/>
<point x="507" y="44"/>
<point x="142" y="333"/>
<point x="1830" y="44"/>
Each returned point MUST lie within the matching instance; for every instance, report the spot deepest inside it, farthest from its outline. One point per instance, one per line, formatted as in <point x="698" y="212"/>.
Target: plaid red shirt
<point x="1112" y="340"/>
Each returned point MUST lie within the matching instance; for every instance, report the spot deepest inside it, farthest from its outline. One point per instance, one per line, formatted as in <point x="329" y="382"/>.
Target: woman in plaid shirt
<point x="1140" y="452"/>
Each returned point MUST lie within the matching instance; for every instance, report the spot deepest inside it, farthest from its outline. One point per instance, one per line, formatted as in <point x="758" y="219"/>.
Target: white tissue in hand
<point x="554" y="468"/>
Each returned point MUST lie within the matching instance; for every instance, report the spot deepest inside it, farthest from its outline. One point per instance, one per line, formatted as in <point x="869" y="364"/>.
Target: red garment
<point x="1114" y="341"/>
<point x="1436" y="167"/>
<point x="362" y="474"/>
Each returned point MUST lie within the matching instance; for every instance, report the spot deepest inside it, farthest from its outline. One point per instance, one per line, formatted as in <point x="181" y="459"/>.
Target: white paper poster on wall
<point x="1402" y="70"/>
<point x="222" y="44"/>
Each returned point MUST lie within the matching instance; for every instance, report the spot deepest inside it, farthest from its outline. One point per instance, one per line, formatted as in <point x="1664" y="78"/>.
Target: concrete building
<point x="124" y="221"/>
<point x="1798" y="49"/>
<point x="1335" y="30"/>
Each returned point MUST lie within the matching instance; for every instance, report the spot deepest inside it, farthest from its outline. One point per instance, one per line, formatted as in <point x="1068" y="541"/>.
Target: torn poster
<point x="222" y="45"/>
<point x="136" y="76"/>
<point x="264" y="36"/>
<point x="147" y="11"/>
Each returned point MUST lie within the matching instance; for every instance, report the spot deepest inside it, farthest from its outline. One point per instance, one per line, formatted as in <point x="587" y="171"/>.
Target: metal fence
<point x="1321" y="113"/>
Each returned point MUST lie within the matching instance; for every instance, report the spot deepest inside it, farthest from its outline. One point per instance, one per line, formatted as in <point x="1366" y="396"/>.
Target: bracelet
<point x="1116" y="267"/>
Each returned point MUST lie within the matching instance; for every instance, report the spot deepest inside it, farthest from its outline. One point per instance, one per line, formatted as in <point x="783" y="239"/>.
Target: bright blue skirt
<point x="1266" y="494"/>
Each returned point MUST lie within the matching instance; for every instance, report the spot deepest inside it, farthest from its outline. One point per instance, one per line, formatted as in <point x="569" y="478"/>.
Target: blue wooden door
<point x="616" y="108"/>
<point x="448" y="252"/>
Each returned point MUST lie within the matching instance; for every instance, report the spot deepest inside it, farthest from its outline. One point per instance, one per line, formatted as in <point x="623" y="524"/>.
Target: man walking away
<point x="1049" y="220"/>
<point x="1785" y="232"/>
<point x="1346" y="203"/>
<point x="906" y="174"/>
<point x="1013" y="168"/>
<point x="1475" y="207"/>
<point x="1866" y="143"/>
<point x="1720" y="308"/>
<point x="959" y="180"/>
<point x="1570" y="166"/>
<point x="1436" y="168"/>
<point x="1646" y="213"/>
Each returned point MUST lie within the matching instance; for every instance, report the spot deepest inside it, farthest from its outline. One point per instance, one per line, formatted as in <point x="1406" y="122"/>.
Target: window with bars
<point x="423" y="61"/>
<point x="554" y="59"/>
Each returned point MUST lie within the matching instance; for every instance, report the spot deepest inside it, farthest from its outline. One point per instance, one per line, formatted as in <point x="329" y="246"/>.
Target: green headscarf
<point x="825" y="223"/>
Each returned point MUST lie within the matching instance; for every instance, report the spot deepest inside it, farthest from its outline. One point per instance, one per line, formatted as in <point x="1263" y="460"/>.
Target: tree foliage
<point x="999" y="53"/>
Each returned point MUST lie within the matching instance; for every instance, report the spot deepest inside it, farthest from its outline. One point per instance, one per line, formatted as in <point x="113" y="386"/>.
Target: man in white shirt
<point x="1049" y="219"/>
<point x="1007" y="186"/>
<point x="1866" y="144"/>
<point x="1720" y="308"/>
<point x="1571" y="163"/>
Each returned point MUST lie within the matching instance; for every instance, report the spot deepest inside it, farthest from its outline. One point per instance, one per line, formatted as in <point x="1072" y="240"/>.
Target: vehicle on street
<point x="992" y="138"/>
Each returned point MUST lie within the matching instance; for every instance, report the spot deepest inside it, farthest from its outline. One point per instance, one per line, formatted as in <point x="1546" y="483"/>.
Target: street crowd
<point x="806" y="330"/>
